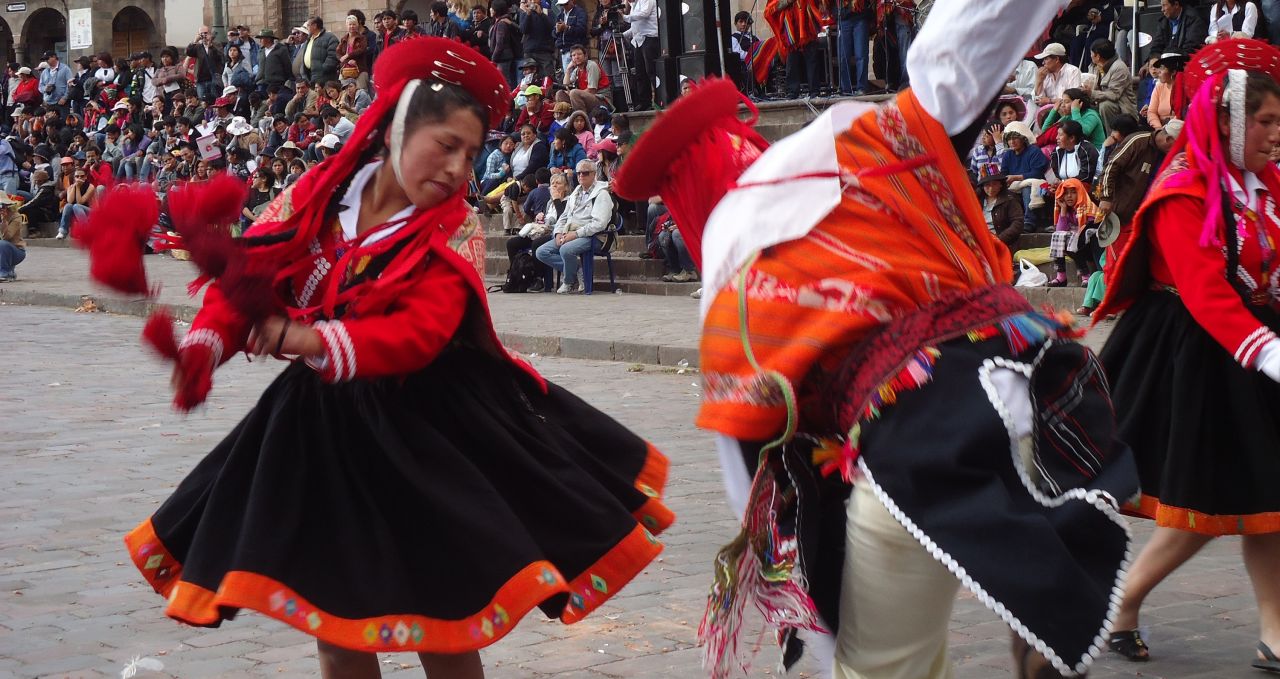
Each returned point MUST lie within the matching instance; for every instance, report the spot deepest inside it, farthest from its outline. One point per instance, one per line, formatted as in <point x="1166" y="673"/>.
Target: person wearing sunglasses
<point x="585" y="214"/>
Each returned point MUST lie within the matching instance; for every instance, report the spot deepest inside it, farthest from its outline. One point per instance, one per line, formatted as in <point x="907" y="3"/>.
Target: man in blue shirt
<point x="53" y="83"/>
<point x="9" y="175"/>
<point x="570" y="30"/>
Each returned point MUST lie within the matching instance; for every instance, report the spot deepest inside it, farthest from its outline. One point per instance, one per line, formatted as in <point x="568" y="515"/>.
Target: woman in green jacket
<point x="1083" y="112"/>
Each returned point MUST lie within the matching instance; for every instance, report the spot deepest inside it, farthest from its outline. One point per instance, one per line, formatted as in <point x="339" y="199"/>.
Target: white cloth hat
<point x="230" y="90"/>
<point x="1173" y="128"/>
<point x="122" y="105"/>
<point x="1053" y="49"/>
<point x="239" y="126"/>
<point x="330" y="141"/>
<point x="24" y="71"/>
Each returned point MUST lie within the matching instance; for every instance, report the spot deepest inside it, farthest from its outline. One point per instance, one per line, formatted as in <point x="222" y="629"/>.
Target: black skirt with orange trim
<point x="429" y="513"/>
<point x="1205" y="430"/>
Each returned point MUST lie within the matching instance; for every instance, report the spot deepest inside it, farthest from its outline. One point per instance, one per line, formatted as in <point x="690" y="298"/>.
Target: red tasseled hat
<point x="691" y="156"/>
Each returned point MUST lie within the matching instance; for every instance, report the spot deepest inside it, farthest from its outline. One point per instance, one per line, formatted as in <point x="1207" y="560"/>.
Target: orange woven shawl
<point x="908" y="231"/>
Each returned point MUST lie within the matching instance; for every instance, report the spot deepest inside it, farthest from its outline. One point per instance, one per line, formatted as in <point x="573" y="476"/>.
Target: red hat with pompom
<point x="692" y="155"/>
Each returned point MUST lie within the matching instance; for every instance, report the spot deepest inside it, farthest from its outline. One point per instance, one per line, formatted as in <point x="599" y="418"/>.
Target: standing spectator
<point x="1114" y="91"/>
<point x="208" y="65"/>
<point x="412" y="29"/>
<point x="1180" y="30"/>
<point x="538" y="37"/>
<point x="9" y="172"/>
<point x="169" y="77"/>
<point x="320" y="56"/>
<point x="370" y="40"/>
<point x="586" y="84"/>
<point x="77" y="87"/>
<point x="144" y="78"/>
<point x="504" y="42"/>
<point x="105" y="72"/>
<point x="53" y="83"/>
<point x="389" y="32"/>
<point x="1096" y="29"/>
<point x="570" y="30"/>
<point x="440" y="25"/>
<point x="1055" y="75"/>
<point x="644" y="36"/>
<point x="13" y="249"/>
<point x="855" y="20"/>
<point x="608" y="14"/>
<point x="275" y="67"/>
<point x="586" y="213"/>
<point x="81" y="195"/>
<point x="477" y="32"/>
<point x="353" y="54"/>
<point x="27" y="92"/>
<point x="237" y="73"/>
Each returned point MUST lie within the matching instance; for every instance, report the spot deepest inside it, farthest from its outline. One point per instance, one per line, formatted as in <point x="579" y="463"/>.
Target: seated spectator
<point x="559" y="117"/>
<point x="509" y="202"/>
<point x="609" y="161"/>
<point x="1114" y="91"/>
<point x="297" y="167"/>
<point x="13" y="249"/>
<point x="497" y="169"/>
<point x="169" y="174"/>
<point x="586" y="213"/>
<point x="1075" y="104"/>
<point x="1002" y="209"/>
<point x="43" y="206"/>
<point x="280" y="171"/>
<point x="353" y="101"/>
<point x="600" y="123"/>
<point x="303" y="101"/>
<point x="1055" y="75"/>
<point x="566" y="153"/>
<point x="587" y="85"/>
<point x="537" y="111"/>
<point x="288" y="151"/>
<point x="1159" y="110"/>
<point x="528" y="76"/>
<point x="619" y="125"/>
<point x="329" y="145"/>
<point x="112" y="151"/>
<point x="1023" y="166"/>
<point x="530" y="155"/>
<point x="303" y="132"/>
<point x="675" y="254"/>
<point x="336" y="125"/>
<point x="984" y="159"/>
<point x="1121" y="127"/>
<point x="1074" y="233"/>
<point x="81" y="195"/>
<point x="244" y="136"/>
<point x="580" y="126"/>
<point x="135" y="150"/>
<point x="240" y="164"/>
<point x="1075" y="157"/>
<point x="261" y="193"/>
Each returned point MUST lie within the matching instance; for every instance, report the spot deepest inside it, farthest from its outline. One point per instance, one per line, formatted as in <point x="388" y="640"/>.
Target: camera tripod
<point x="624" y="65"/>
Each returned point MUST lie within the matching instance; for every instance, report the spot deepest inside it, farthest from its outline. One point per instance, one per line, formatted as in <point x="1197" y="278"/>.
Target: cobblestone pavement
<point x="90" y="447"/>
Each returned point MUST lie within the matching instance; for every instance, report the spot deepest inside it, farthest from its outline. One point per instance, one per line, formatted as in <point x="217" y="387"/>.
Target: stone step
<point x="625" y="266"/>
<point x="630" y="287"/>
<point x="632" y="245"/>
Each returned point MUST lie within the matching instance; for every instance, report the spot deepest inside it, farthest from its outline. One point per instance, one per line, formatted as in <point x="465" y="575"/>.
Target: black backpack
<point x="522" y="274"/>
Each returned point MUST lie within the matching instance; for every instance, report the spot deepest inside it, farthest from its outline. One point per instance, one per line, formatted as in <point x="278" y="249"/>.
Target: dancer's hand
<point x="279" y="335"/>
<point x="192" y="376"/>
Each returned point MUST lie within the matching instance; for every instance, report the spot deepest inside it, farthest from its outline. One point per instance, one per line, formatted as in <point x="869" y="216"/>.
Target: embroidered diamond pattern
<point x="384" y="633"/>
<point x="290" y="607"/>
<point x="599" y="584"/>
<point x="548" y="576"/>
<point x="401" y="633"/>
<point x="313" y="620"/>
<point x="486" y="627"/>
<point x="276" y="600"/>
<point x="647" y="489"/>
<point x="500" y="616"/>
<point x="649" y="536"/>
<point x="154" y="561"/>
<point x="416" y="632"/>
<point x="576" y="601"/>
<point x="370" y="633"/>
<point x="649" y="521"/>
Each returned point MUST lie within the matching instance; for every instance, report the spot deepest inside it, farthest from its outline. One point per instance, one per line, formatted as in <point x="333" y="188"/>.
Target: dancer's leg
<point x="341" y="663"/>
<point x="1167" y="549"/>
<point x="452" y="666"/>
<point x="1262" y="560"/>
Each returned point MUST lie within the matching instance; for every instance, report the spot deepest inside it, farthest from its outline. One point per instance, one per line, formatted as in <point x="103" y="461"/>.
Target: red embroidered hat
<point x="1244" y="54"/>
<point x="447" y="61"/>
<point x="692" y="155"/>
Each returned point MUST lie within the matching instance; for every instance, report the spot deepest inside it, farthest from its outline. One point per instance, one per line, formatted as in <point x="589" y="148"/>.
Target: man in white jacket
<point x="586" y="213"/>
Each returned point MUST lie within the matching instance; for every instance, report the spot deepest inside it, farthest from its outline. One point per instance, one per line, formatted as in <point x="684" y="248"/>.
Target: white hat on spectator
<point x="1173" y="128"/>
<point x="1053" y="49"/>
<point x="230" y="90"/>
<point x="330" y="141"/>
<point x="239" y="126"/>
<point x="17" y="110"/>
<point x="25" y="70"/>
<point x="1021" y="129"/>
<point x="122" y="105"/>
<point x="42" y="65"/>
<point x="301" y="29"/>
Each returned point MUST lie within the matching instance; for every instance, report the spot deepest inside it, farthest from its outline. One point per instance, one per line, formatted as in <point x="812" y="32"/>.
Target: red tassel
<point x="196" y="362"/>
<point x="217" y="201"/>
<point x="116" y="232"/>
<point x="158" y="333"/>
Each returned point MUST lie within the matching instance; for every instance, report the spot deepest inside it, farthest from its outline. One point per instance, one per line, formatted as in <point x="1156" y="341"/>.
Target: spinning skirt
<point x="428" y="513"/>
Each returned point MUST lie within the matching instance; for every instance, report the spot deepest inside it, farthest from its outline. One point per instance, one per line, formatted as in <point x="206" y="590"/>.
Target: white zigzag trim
<point x="1101" y="500"/>
<point x="207" y="337"/>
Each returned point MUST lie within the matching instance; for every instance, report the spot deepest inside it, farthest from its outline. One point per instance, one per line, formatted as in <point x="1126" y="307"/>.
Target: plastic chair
<point x="605" y="242"/>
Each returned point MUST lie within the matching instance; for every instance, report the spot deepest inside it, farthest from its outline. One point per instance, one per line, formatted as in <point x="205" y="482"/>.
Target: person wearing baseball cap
<point x="1055" y="75"/>
<point x="537" y="111"/>
<point x="54" y="82"/>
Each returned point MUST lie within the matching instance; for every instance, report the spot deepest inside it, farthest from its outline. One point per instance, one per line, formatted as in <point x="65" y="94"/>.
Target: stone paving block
<point x="589" y="349"/>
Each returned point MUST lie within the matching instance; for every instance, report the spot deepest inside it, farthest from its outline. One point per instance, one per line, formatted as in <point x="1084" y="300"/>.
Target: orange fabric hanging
<point x="908" y="231"/>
